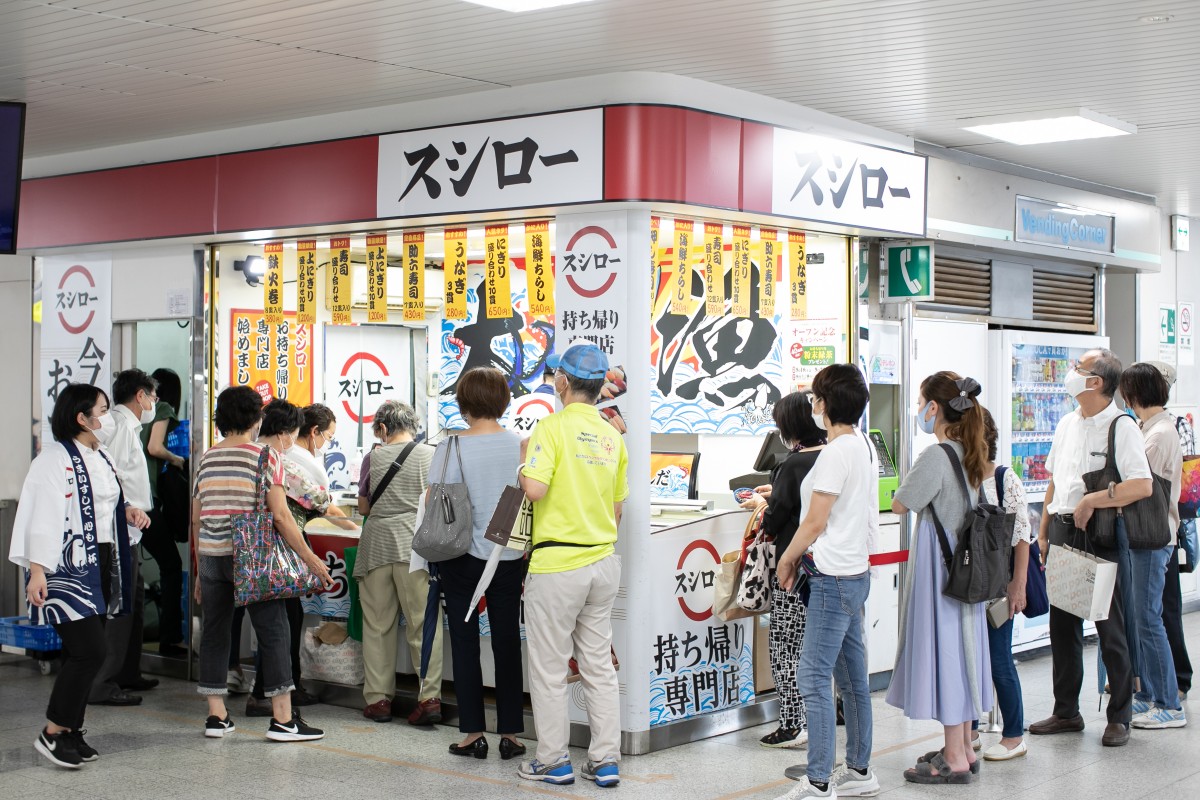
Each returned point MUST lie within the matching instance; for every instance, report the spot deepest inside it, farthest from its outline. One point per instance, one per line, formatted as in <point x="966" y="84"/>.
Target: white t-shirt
<point x="845" y="468"/>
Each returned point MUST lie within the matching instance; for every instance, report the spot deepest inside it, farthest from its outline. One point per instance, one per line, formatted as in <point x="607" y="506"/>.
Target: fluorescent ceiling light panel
<point x="517" y="6"/>
<point x="1048" y="126"/>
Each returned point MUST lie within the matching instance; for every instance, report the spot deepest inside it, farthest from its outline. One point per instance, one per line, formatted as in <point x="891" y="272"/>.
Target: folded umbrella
<point x="433" y="618"/>
<point x="485" y="580"/>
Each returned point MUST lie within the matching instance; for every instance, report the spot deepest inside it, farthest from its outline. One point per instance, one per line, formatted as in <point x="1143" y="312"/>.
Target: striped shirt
<point x="227" y="483"/>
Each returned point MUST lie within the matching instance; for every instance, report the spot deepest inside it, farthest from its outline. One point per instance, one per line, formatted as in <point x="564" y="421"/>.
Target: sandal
<point x="936" y="770"/>
<point x="925" y="759"/>
<point x="785" y="737"/>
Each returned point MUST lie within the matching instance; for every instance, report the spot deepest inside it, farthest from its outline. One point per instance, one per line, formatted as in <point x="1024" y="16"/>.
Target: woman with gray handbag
<point x="392" y="479"/>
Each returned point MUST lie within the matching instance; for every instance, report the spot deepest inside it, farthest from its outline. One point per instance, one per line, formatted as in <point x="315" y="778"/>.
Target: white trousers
<point x="570" y="613"/>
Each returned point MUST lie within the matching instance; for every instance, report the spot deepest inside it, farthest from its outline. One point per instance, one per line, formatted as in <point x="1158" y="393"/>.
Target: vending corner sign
<point x="847" y="183"/>
<point x="542" y="160"/>
<point x="1060" y="225"/>
<point x="76" y="330"/>
<point x="909" y="272"/>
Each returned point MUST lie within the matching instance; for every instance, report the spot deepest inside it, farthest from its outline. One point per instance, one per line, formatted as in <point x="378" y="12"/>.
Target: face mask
<point x="819" y="419"/>
<point x="146" y="417"/>
<point x="1076" y="383"/>
<point x="104" y="422"/>
<point x="926" y="425"/>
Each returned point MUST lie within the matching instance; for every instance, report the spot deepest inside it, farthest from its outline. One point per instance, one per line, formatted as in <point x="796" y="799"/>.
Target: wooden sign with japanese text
<point x="740" y="267"/>
<point x="414" y="276"/>
<point x="799" y="275"/>
<point x="498" y="303"/>
<point x="340" y="287"/>
<point x="455" y="273"/>
<point x="306" y="282"/>
<point x="539" y="271"/>
<point x="273" y="282"/>
<point x="377" y="260"/>
<point x="714" y="269"/>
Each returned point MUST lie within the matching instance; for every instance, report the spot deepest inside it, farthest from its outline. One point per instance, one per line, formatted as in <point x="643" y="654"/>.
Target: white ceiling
<point x="105" y="72"/>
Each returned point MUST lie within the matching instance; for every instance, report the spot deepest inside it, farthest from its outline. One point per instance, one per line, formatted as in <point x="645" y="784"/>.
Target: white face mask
<point x="819" y="419"/>
<point x="147" y="416"/>
<point x="1076" y="383"/>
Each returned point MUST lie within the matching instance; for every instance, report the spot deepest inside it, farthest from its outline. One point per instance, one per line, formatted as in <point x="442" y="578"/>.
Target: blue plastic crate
<point x="20" y="632"/>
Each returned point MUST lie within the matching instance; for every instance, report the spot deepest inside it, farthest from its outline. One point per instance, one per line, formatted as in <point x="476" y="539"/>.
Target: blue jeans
<point x="1008" y="683"/>
<point x="1157" y="666"/>
<point x="833" y="649"/>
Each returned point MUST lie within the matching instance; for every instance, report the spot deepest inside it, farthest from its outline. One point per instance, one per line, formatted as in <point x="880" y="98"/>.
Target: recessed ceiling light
<point x="1048" y="126"/>
<point x="517" y="6"/>
<point x="1153" y="18"/>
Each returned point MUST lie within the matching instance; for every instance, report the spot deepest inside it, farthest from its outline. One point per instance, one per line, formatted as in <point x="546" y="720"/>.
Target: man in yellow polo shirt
<point x="575" y="476"/>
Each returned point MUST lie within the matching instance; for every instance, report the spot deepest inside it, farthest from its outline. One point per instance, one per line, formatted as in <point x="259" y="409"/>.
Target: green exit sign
<point x="909" y="272"/>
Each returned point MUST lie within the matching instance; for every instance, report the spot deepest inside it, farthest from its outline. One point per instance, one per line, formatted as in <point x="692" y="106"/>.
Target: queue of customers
<point x="573" y="469"/>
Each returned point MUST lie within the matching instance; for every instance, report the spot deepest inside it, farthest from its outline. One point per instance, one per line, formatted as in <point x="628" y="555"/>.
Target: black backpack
<point x="978" y="569"/>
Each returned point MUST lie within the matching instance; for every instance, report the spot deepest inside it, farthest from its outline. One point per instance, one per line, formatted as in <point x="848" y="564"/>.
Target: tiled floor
<point x="157" y="751"/>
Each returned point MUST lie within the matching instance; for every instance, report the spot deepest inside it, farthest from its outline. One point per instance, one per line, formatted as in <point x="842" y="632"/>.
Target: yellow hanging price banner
<point x="714" y="269"/>
<point x="767" y="254"/>
<point x="681" y="279"/>
<point x="740" y="266"/>
<point x="340" y="281"/>
<point x="539" y="269"/>
<point x="498" y="303"/>
<point x="414" y="276"/>
<point x="799" y="275"/>
<point x="656" y="260"/>
<point x="273" y="283"/>
<point x="455" y="273"/>
<point x="377" y="260"/>
<point x="306" y="282"/>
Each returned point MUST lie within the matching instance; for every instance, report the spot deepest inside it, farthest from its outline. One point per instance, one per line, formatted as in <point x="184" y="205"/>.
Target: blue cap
<point x="584" y="361"/>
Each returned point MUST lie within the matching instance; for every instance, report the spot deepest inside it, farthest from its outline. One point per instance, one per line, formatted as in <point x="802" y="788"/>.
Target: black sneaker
<point x="86" y="752"/>
<point x="295" y="731"/>
<point x="59" y="748"/>
<point x="215" y="727"/>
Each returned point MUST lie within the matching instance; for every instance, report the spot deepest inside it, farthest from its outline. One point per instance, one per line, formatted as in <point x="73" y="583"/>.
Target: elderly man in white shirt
<point x="1080" y="446"/>
<point x="134" y="395"/>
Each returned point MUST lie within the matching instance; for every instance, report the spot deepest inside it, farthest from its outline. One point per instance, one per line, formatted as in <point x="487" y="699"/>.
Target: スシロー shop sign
<point x="695" y="575"/>
<point x="362" y="385"/>
<point x="551" y="159"/>
<point x="590" y="266"/>
<point x="846" y="183"/>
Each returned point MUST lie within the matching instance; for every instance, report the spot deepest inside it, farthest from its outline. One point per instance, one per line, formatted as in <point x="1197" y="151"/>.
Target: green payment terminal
<point x="889" y="481"/>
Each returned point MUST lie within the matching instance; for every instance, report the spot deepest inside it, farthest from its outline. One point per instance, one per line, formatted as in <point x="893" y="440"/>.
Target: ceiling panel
<point x="104" y="72"/>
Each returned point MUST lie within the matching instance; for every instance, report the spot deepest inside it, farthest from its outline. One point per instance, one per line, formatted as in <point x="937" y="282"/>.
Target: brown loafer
<point x="1052" y="724"/>
<point x="1115" y="735"/>
<point x="379" y="712"/>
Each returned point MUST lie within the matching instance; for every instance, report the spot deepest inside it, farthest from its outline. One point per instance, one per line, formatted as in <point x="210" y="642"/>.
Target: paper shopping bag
<point x="1080" y="583"/>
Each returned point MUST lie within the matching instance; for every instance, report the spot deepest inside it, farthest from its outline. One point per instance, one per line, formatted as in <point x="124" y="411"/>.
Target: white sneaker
<point x="847" y="783"/>
<point x="1159" y="719"/>
<point x="804" y="789"/>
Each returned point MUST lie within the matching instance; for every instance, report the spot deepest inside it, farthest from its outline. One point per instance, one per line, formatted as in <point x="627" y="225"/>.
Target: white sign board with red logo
<point x="697" y="663"/>
<point x="364" y="366"/>
<point x="593" y="263"/>
<point x="76" y="327"/>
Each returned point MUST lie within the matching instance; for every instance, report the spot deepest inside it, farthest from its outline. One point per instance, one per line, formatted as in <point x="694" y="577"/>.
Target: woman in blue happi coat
<point x="72" y="539"/>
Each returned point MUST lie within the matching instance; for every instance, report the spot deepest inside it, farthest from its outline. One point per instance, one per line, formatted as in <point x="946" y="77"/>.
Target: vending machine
<point x="1026" y="396"/>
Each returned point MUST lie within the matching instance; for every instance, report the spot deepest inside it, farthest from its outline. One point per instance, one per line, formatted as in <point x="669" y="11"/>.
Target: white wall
<point x="16" y="393"/>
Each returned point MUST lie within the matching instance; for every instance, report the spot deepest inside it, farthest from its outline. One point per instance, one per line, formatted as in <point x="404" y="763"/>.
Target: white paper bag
<point x="333" y="663"/>
<point x="1080" y="583"/>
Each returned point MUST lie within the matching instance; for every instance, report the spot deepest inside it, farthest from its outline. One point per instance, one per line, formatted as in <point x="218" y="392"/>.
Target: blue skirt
<point x="943" y="670"/>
